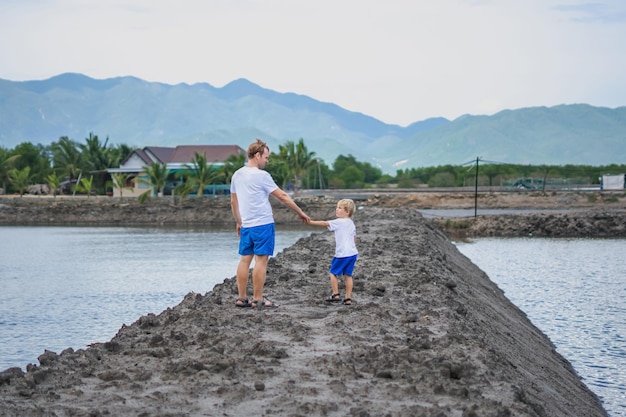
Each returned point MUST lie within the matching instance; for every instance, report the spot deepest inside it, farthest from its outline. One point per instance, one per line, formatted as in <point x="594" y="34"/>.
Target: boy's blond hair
<point x="348" y="205"/>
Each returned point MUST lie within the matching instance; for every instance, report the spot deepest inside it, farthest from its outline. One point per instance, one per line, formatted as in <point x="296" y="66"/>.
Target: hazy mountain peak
<point x="69" y="81"/>
<point x="241" y="88"/>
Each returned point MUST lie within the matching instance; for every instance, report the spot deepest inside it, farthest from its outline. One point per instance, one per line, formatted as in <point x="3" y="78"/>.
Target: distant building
<point x="177" y="160"/>
<point x="613" y="182"/>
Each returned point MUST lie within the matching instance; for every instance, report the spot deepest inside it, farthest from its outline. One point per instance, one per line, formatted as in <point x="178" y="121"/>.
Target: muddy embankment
<point x="428" y="335"/>
<point x="106" y="211"/>
<point x="555" y="214"/>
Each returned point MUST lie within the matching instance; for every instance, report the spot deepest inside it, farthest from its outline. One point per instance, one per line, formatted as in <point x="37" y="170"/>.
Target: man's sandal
<point x="242" y="302"/>
<point x="347" y="302"/>
<point x="264" y="303"/>
<point x="333" y="298"/>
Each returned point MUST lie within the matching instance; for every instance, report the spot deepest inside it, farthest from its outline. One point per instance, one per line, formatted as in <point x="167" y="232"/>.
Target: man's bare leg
<point x="259" y="272"/>
<point x="243" y="269"/>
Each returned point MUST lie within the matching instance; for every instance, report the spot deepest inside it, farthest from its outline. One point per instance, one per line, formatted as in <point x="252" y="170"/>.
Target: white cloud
<point x="399" y="61"/>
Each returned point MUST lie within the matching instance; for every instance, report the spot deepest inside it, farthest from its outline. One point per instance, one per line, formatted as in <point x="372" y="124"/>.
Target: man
<point x="250" y="189"/>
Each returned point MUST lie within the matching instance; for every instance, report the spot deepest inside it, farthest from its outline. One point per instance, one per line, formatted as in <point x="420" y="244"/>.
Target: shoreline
<point x="565" y="214"/>
<point x="429" y="334"/>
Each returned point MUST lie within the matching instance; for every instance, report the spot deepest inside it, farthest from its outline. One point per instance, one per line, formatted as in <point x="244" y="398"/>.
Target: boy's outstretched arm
<point x="321" y="223"/>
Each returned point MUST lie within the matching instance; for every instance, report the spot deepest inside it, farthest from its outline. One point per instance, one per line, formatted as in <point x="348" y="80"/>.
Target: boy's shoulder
<point x="344" y="221"/>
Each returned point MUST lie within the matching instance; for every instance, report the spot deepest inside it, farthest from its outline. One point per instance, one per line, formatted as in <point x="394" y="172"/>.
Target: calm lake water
<point x="66" y="287"/>
<point x="574" y="290"/>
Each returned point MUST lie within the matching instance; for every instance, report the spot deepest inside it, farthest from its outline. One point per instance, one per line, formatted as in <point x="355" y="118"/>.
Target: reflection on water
<point x="66" y="287"/>
<point x="574" y="290"/>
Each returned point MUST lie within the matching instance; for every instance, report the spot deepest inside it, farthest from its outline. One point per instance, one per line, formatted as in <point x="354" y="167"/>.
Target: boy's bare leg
<point x="243" y="269"/>
<point x="259" y="273"/>
<point x="349" y="283"/>
<point x="334" y="284"/>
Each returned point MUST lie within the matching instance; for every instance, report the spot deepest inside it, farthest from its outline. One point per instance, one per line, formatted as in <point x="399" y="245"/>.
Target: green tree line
<point x="293" y="166"/>
<point x="506" y="175"/>
<point x="61" y="162"/>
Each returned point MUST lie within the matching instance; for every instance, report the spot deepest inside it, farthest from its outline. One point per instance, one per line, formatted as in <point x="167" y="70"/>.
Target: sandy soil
<point x="429" y="335"/>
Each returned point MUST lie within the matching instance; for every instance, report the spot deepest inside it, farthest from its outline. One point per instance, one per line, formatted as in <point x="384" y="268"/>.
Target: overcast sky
<point x="400" y="61"/>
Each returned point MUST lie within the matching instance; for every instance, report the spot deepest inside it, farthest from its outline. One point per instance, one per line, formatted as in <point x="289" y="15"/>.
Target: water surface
<point x="66" y="287"/>
<point x="574" y="290"/>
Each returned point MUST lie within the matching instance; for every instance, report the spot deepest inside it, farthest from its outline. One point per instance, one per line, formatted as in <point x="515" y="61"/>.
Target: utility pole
<point x="476" y="189"/>
<point x="319" y="174"/>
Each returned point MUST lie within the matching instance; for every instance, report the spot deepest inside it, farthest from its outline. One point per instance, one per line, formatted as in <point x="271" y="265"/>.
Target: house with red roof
<point x="177" y="160"/>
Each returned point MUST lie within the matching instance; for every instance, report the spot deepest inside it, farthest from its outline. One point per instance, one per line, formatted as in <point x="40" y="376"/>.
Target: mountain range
<point x="139" y="113"/>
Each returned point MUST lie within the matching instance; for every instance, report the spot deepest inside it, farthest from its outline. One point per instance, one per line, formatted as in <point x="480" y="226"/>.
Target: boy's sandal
<point x="347" y="302"/>
<point x="242" y="302"/>
<point x="264" y="303"/>
<point x="333" y="298"/>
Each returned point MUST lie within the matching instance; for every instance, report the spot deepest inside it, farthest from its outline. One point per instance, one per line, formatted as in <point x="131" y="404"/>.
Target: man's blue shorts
<point x="343" y="266"/>
<point x="258" y="240"/>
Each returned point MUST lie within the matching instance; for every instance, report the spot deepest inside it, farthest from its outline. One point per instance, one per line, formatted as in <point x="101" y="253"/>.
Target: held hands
<point x="305" y="219"/>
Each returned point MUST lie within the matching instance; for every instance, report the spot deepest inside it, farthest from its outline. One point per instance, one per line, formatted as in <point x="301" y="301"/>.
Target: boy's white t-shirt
<point x="345" y="231"/>
<point x="253" y="187"/>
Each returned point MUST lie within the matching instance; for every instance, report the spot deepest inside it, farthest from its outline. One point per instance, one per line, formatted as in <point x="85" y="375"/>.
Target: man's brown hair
<point x="258" y="146"/>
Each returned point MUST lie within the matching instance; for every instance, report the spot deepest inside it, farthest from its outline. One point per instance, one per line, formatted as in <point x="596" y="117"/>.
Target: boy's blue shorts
<point x="258" y="240"/>
<point x="343" y="266"/>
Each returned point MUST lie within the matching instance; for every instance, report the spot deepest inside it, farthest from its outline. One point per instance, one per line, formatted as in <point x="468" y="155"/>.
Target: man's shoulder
<point x="245" y="170"/>
<point x="252" y="170"/>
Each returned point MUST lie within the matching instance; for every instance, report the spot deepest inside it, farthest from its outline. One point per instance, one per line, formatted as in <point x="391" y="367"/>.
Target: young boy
<point x="345" y="248"/>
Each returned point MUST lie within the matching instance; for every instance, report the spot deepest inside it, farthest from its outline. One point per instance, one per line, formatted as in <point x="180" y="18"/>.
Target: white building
<point x="175" y="160"/>
<point x="613" y="182"/>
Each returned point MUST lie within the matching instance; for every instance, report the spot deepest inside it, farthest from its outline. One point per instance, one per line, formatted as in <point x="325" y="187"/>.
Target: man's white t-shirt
<point x="345" y="231"/>
<point x="253" y="187"/>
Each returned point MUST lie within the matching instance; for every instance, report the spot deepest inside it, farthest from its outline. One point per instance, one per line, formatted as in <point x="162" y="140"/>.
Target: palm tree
<point x="279" y="170"/>
<point x="297" y="158"/>
<point x="119" y="181"/>
<point x="96" y="158"/>
<point x="183" y="189"/>
<point x="155" y="177"/>
<point x="53" y="182"/>
<point x="66" y="157"/>
<point x="232" y="164"/>
<point x="85" y="185"/>
<point x="201" y="173"/>
<point x="6" y="164"/>
<point x="119" y="153"/>
<point x="20" y="178"/>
